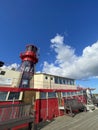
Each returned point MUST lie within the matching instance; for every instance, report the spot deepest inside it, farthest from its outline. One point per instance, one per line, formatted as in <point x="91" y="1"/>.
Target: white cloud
<point x="12" y="66"/>
<point x="57" y="40"/>
<point x="68" y="64"/>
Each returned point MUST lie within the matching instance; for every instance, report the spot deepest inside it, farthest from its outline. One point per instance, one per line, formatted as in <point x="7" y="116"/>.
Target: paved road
<point x="82" y="121"/>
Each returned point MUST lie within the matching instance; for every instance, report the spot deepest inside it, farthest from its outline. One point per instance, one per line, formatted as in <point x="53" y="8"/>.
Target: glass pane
<point x="56" y="80"/>
<point x="51" y="94"/>
<point x="60" y="80"/>
<point x="3" y="96"/>
<point x="64" y="94"/>
<point x="43" y="95"/>
<point x="68" y="93"/>
<point x="14" y="95"/>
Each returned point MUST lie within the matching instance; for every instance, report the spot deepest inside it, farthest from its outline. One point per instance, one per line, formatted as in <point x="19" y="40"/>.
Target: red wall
<point x="46" y="109"/>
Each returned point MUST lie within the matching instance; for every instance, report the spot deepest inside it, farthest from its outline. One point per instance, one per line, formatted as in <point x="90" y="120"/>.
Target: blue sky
<point x="65" y="31"/>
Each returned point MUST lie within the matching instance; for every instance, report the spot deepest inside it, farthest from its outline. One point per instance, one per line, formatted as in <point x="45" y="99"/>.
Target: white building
<point x="47" y="81"/>
<point x="12" y="78"/>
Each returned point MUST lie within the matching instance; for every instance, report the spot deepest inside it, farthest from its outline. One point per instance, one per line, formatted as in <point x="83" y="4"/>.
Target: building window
<point x="43" y="95"/>
<point x="68" y="82"/>
<point x="2" y="72"/>
<point x="72" y="93"/>
<point x="14" y="95"/>
<point x="71" y="82"/>
<point x="46" y="77"/>
<point x="56" y="80"/>
<point x="60" y="80"/>
<point x="68" y="93"/>
<point x="51" y="94"/>
<point x="63" y="81"/>
<point x="3" y="96"/>
<point x="51" y="78"/>
<point x="64" y="94"/>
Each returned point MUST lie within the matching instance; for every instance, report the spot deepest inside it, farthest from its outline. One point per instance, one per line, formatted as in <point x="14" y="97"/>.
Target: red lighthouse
<point x="29" y="59"/>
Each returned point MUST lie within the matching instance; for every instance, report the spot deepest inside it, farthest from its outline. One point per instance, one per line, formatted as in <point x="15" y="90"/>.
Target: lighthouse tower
<point x="29" y="59"/>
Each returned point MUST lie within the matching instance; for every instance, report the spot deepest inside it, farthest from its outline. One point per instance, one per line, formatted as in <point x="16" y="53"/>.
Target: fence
<point x="14" y="115"/>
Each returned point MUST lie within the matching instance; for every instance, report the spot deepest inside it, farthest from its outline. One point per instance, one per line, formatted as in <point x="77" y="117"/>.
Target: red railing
<point x="15" y="114"/>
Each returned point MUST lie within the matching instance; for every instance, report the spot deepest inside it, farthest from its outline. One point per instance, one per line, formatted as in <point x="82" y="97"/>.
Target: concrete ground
<point x="81" y="121"/>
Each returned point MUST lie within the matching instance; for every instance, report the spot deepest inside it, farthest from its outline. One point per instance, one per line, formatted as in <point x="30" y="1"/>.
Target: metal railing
<point x="15" y="114"/>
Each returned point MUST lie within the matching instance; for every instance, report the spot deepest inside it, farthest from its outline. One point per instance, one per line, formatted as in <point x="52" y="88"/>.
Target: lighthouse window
<point x="3" y="96"/>
<point x="14" y="95"/>
<point x="27" y="69"/>
<point x="25" y="82"/>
